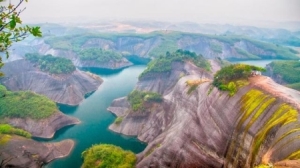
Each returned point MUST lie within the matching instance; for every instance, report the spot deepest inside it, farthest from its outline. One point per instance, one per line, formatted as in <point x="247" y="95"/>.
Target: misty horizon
<point x="249" y="12"/>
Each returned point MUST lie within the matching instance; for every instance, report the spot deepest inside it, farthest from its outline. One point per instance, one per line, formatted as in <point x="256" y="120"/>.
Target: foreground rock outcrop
<point x="21" y="152"/>
<point x="65" y="88"/>
<point x="43" y="128"/>
<point x="208" y="128"/>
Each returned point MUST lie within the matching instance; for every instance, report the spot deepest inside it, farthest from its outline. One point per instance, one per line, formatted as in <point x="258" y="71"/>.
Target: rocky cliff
<point x="208" y="128"/>
<point x="21" y="152"/>
<point x="65" y="88"/>
<point x="43" y="128"/>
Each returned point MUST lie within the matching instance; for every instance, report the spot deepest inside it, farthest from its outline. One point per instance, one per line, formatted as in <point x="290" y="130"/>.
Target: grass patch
<point x="106" y="156"/>
<point x="25" y="104"/>
<point x="8" y="129"/>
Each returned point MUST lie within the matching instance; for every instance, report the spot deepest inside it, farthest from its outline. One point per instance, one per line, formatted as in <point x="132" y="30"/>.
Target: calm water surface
<point x="95" y="119"/>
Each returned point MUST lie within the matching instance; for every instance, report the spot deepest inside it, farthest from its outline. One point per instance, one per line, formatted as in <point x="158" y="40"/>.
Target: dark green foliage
<point x="164" y="63"/>
<point x="2" y="91"/>
<point x="8" y="129"/>
<point x="108" y="156"/>
<point x="99" y="55"/>
<point x="26" y="104"/>
<point x="138" y="98"/>
<point x="224" y="79"/>
<point x="289" y="70"/>
<point x="53" y="65"/>
<point x="246" y="54"/>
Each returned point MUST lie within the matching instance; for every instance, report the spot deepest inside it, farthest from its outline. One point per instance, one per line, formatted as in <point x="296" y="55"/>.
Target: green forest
<point x="99" y="55"/>
<point x="169" y="43"/>
<point x="105" y="155"/>
<point x="137" y="99"/>
<point x="25" y="104"/>
<point x="289" y="71"/>
<point x="51" y="64"/>
<point x="164" y="63"/>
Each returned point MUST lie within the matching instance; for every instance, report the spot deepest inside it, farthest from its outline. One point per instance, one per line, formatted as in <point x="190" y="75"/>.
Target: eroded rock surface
<point x="23" y="153"/>
<point x="44" y="128"/>
<point x="208" y="128"/>
<point x="65" y="89"/>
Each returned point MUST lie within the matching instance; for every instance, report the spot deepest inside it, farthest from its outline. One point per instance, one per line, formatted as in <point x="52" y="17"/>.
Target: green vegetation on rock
<point x="254" y="108"/>
<point x="118" y="120"/>
<point x="289" y="71"/>
<point x="231" y="77"/>
<point x="53" y="65"/>
<point x="169" y="41"/>
<point x="99" y="55"/>
<point x="108" y="156"/>
<point x="25" y="104"/>
<point x="164" y="63"/>
<point x="137" y="99"/>
<point x="8" y="129"/>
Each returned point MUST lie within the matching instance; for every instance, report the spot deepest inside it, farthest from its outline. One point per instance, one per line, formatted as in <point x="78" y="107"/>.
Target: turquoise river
<point x="95" y="119"/>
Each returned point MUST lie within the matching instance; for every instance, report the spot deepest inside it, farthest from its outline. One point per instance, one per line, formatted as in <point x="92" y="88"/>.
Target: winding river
<point x="95" y="119"/>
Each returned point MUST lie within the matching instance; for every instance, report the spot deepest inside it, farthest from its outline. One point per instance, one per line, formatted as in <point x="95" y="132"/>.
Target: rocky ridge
<point x="65" y="89"/>
<point x="21" y="152"/>
<point x="208" y="128"/>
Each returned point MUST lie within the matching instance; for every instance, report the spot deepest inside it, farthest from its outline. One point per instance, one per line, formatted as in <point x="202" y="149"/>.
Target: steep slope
<point x="208" y="128"/>
<point x="43" y="128"/>
<point x="22" y="152"/>
<point x="285" y="72"/>
<point x="66" y="88"/>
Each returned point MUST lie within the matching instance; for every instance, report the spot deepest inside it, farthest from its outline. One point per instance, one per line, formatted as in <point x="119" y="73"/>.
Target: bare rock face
<point x="208" y="128"/>
<point x="23" y="153"/>
<point x="43" y="128"/>
<point x="65" y="89"/>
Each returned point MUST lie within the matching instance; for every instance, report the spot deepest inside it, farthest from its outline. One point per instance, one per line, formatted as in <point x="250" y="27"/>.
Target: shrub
<point x="118" y="120"/>
<point x="107" y="156"/>
<point x="231" y="77"/>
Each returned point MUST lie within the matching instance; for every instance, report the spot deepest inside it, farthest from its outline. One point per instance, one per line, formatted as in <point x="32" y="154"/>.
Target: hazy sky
<point x="215" y="11"/>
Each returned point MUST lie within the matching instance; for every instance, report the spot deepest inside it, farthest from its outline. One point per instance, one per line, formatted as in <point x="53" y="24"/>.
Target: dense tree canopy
<point x="51" y="64"/>
<point x="164" y="63"/>
<point x="108" y="156"/>
<point x="99" y="55"/>
<point x="25" y="104"/>
<point x="11" y="29"/>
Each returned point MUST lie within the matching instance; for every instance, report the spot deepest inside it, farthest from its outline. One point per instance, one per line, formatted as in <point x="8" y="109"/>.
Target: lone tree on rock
<point x="11" y="28"/>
